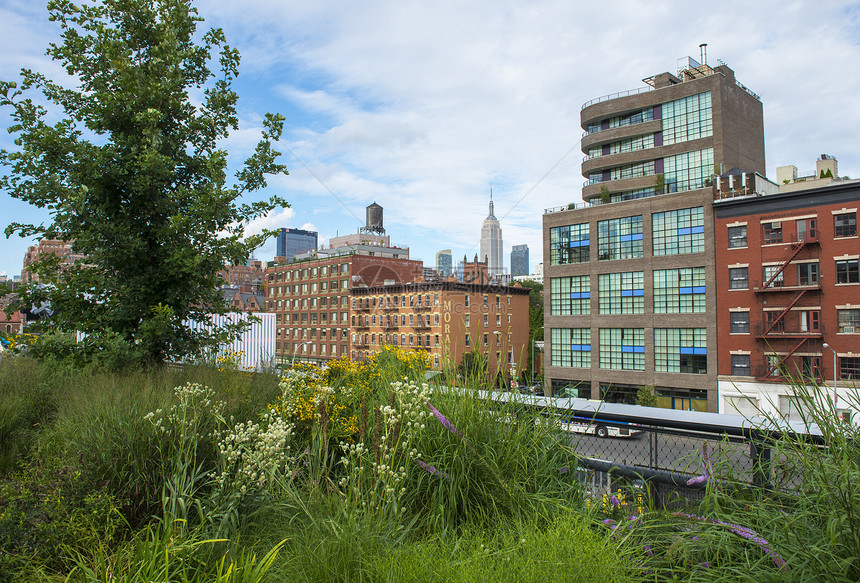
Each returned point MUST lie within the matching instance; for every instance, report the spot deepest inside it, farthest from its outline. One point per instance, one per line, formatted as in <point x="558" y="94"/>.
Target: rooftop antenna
<point x="703" y="49"/>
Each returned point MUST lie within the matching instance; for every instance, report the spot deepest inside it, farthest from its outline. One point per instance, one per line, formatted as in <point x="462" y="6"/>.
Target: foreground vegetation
<point x="366" y="473"/>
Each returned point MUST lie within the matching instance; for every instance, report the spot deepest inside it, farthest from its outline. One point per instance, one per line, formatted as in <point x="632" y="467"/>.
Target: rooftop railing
<point x="617" y="95"/>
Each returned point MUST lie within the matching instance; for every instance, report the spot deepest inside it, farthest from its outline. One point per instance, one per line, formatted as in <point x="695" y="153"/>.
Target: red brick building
<point x="247" y="277"/>
<point x="788" y="295"/>
<point x="311" y="300"/>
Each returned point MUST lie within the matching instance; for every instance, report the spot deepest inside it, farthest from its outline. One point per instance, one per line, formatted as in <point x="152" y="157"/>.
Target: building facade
<point x="311" y="302"/>
<point x="60" y="248"/>
<point x="445" y="320"/>
<point x="519" y="260"/>
<point x="788" y="304"/>
<point x="248" y="277"/>
<point x="444" y="263"/>
<point x="292" y="242"/>
<point x="630" y="293"/>
<point x="491" y="243"/>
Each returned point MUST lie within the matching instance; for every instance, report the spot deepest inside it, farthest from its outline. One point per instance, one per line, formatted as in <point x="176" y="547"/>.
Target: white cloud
<point x="420" y="106"/>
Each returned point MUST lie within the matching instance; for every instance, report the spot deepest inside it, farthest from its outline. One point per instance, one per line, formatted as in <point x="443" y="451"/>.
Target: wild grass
<point x="363" y="472"/>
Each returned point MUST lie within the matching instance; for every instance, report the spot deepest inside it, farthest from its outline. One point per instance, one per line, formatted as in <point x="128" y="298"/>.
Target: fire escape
<point x="774" y="330"/>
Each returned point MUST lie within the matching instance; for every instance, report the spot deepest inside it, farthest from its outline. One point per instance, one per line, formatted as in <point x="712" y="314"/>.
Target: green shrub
<point x="48" y="514"/>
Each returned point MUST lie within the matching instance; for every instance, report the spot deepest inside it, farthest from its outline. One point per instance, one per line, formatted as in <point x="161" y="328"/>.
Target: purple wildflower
<point x="746" y="533"/>
<point x="615" y="501"/>
<point x="433" y="471"/>
<point x="564" y="470"/>
<point x="706" y="468"/>
<point x="448" y="425"/>
<point x="648" y="550"/>
<point x="610" y="523"/>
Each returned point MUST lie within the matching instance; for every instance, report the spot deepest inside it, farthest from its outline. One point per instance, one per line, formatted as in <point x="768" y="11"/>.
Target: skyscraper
<point x="444" y="263"/>
<point x="491" y="243"/>
<point x="519" y="260"/>
<point x="291" y="242"/>
<point x="630" y="274"/>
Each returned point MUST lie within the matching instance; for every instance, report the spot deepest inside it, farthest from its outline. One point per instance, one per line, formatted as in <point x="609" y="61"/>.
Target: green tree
<point x="535" y="321"/>
<point x="133" y="173"/>
<point x="646" y="396"/>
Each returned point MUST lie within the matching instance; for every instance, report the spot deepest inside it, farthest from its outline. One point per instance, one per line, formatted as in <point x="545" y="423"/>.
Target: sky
<point x="425" y="107"/>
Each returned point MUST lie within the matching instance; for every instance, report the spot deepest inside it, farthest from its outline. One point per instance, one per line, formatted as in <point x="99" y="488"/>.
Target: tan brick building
<point x="62" y="249"/>
<point x="445" y="319"/>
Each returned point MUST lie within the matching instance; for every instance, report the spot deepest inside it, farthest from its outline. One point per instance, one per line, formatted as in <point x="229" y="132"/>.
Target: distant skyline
<point x="420" y="107"/>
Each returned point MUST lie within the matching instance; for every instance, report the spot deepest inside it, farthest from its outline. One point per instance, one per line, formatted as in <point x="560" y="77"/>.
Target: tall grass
<point x="806" y="527"/>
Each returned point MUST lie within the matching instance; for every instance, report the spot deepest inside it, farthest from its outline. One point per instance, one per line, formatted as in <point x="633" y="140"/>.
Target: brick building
<point x="248" y="277"/>
<point x="788" y="294"/>
<point x="445" y="319"/>
<point x="630" y="273"/>
<point x="311" y="300"/>
<point x="62" y="249"/>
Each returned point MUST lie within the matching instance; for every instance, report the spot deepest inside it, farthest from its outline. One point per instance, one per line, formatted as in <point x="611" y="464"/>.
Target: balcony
<point x="787" y="331"/>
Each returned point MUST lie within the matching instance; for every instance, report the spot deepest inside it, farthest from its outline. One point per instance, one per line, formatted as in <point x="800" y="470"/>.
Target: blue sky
<point x="421" y="106"/>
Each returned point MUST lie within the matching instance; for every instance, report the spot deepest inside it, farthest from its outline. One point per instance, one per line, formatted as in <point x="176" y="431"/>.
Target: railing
<point x="617" y="95"/>
<point x="667" y="446"/>
<point x="747" y="89"/>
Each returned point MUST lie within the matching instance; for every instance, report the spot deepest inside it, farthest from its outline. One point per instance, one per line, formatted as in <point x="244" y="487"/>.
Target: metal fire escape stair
<point x="784" y="311"/>
<point x="785" y="358"/>
<point x="792" y="253"/>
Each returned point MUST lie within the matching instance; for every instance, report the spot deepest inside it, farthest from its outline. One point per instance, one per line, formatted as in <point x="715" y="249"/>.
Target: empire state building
<point x="491" y="243"/>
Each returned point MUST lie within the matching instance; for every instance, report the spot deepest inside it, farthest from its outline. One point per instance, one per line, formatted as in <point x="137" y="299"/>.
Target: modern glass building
<point x="631" y="296"/>
<point x="519" y="260"/>
<point x="291" y="242"/>
<point x="444" y="265"/>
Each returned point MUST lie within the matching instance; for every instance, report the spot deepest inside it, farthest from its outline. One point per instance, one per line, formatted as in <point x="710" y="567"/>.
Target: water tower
<point x="373" y="221"/>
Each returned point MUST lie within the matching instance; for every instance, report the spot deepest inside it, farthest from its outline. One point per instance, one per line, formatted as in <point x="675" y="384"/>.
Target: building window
<point x="466" y="300"/>
<point x="486" y="302"/>
<point x="849" y="368"/>
<point x="622" y="348"/>
<point x="807" y="273"/>
<point x="738" y="278"/>
<point x="688" y="170"/>
<point x="571" y="347"/>
<point x="740" y="322"/>
<point x="845" y="225"/>
<point x="467" y="320"/>
<point x="619" y="238"/>
<point x="681" y="350"/>
<point x="679" y="291"/>
<point x="486" y="319"/>
<point x="772" y="232"/>
<point x="849" y="321"/>
<point x="486" y="339"/>
<point x="737" y="237"/>
<point x="678" y="232"/>
<point x="741" y="365"/>
<point x="569" y="244"/>
<point x="570" y="296"/>
<point x="776" y="272"/>
<point x="847" y="272"/>
<point x="687" y="119"/>
<point x="631" y="171"/>
<point x="621" y="293"/>
<point x="498" y="319"/>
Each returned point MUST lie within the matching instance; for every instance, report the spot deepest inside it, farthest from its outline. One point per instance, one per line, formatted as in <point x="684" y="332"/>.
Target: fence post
<point x="760" y="454"/>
